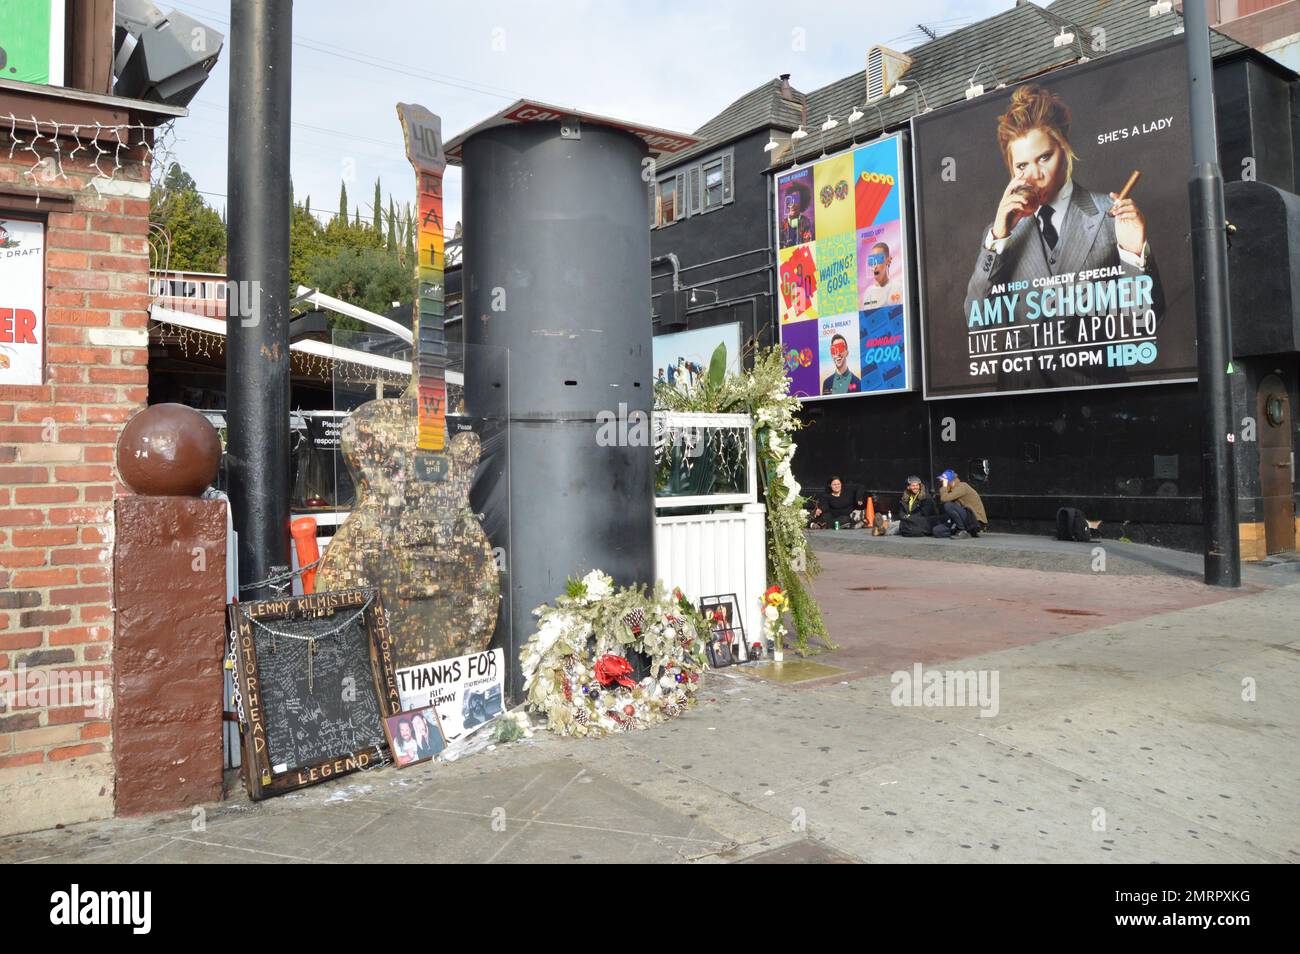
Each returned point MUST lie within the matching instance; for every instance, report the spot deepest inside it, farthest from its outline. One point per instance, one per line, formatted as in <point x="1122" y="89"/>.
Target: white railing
<point x="717" y="554"/>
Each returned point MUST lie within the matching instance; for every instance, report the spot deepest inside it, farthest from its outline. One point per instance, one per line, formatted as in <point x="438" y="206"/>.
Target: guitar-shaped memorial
<point x="411" y="532"/>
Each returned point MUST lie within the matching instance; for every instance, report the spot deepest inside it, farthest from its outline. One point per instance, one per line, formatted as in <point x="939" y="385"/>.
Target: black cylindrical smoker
<point x="557" y="271"/>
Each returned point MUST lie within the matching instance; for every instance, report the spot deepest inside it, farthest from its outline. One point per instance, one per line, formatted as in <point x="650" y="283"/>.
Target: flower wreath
<point x="575" y="666"/>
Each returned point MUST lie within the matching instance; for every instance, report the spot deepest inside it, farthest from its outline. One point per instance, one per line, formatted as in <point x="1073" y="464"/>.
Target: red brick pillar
<point x="57" y="485"/>
<point x="169" y="573"/>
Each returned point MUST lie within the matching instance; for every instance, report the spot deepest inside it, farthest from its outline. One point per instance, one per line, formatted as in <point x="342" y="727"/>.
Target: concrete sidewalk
<point x="1120" y="737"/>
<point x="1047" y="553"/>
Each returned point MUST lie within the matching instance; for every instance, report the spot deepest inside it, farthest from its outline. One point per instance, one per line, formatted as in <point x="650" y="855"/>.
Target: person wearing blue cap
<point x="962" y="505"/>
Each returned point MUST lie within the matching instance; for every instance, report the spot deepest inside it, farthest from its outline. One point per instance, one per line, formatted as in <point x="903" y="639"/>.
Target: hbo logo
<point x="1122" y="355"/>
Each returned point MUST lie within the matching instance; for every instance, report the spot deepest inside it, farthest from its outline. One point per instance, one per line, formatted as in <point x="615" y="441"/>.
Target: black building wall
<point x="1254" y="111"/>
<point x="727" y="250"/>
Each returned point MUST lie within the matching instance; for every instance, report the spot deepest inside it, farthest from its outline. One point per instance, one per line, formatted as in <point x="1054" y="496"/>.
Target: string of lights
<point x="49" y="169"/>
<point x="195" y="343"/>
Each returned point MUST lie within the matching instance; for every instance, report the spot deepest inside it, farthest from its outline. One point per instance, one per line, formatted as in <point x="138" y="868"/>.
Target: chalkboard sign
<point x="314" y="683"/>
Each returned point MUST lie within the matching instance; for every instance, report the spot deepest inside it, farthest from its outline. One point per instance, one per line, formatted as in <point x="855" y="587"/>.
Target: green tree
<point x="367" y="277"/>
<point x="379" y="211"/>
<point x="351" y="259"/>
<point x="306" y="244"/>
<point x="195" y="234"/>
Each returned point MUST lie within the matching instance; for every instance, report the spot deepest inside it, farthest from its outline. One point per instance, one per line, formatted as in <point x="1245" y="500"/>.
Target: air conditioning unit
<point x="884" y="68"/>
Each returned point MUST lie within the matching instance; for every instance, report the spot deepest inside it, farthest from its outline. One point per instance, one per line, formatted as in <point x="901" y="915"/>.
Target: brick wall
<point x="57" y="484"/>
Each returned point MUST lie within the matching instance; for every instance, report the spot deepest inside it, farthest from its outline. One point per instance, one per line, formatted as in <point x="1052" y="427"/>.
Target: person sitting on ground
<point x="840" y="505"/>
<point x="962" y="506"/>
<point x="917" y="511"/>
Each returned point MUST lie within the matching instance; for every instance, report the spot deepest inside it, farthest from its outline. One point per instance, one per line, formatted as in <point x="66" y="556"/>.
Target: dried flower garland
<point x="576" y="669"/>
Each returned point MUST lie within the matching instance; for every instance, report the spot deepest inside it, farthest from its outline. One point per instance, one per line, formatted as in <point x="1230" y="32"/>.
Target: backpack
<point x="1071" y="525"/>
<point x="913" y="525"/>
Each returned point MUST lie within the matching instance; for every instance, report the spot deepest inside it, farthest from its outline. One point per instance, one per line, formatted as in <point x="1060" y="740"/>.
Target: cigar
<point x="1128" y="186"/>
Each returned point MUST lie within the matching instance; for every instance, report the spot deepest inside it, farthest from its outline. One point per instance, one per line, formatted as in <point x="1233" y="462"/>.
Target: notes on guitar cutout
<point x="432" y="387"/>
<point x="411" y="533"/>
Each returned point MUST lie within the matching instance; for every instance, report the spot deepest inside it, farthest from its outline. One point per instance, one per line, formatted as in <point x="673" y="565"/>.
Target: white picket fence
<point x="717" y="554"/>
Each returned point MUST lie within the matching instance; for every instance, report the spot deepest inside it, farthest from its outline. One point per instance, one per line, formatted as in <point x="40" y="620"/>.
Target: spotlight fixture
<point x="799" y="133"/>
<point x="831" y="123"/>
<point x="856" y="115"/>
<point x="1064" y="38"/>
<point x="161" y="58"/>
<point x="771" y="144"/>
<point x="974" y="89"/>
<point x="1160" y="8"/>
<point x="898" y="89"/>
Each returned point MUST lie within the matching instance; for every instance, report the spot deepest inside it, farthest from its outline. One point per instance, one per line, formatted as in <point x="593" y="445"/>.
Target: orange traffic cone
<point x="303" y="531"/>
<point x="871" y="512"/>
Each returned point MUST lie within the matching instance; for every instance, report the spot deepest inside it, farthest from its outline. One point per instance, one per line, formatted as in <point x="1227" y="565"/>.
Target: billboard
<point x="842" y="250"/>
<point x="682" y="359"/>
<point x="1052" y="222"/>
<point x="22" y="301"/>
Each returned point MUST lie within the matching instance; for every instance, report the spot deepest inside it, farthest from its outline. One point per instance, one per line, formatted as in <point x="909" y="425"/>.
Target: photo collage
<point x="841" y="251"/>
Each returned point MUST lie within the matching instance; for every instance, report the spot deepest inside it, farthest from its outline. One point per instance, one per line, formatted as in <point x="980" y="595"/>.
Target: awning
<point x="321" y="349"/>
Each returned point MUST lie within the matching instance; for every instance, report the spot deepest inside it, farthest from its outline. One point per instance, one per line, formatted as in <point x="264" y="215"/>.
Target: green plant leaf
<point x="718" y="365"/>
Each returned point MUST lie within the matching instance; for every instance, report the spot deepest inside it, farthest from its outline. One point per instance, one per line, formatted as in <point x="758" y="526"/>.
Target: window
<point x="713" y="185"/>
<point x="671" y="201"/>
<point x="711" y="182"/>
<point x="700" y="187"/>
<point x="667" y="201"/>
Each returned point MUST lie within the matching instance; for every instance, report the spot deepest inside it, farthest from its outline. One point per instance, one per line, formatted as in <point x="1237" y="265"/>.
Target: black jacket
<point x="839" y="508"/>
<point x="923" y="506"/>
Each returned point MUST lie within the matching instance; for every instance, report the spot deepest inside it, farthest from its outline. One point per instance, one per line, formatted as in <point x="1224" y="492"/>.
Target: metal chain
<point x="237" y="697"/>
<point x="315" y="636"/>
<point x="277" y="582"/>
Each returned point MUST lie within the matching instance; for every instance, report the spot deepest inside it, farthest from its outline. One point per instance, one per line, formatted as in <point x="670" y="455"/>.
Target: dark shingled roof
<point x="760" y="108"/>
<point x="1005" y="48"/>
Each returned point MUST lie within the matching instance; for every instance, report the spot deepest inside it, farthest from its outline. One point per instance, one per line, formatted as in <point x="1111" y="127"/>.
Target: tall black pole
<point x="257" y="305"/>
<point x="1210" y="287"/>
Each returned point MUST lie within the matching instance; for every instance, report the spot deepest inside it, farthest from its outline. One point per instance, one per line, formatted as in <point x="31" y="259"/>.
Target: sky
<point x="672" y="64"/>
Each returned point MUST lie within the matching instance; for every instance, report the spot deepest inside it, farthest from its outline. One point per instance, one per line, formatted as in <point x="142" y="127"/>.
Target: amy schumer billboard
<point x="842" y="248"/>
<point x="1052" y="231"/>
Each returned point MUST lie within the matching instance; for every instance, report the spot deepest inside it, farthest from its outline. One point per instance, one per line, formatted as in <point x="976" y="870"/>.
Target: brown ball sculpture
<point x="168" y="450"/>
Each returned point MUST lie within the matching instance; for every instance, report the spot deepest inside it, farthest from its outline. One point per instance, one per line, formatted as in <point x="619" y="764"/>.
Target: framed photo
<point x="726" y="624"/>
<point x="414" y="736"/>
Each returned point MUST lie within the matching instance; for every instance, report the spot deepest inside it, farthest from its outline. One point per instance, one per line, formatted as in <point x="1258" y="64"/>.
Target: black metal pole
<point x="1210" y="287"/>
<point x="257" y="304"/>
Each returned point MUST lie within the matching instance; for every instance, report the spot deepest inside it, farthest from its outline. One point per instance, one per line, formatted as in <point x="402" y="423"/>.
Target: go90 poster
<point x="842" y="273"/>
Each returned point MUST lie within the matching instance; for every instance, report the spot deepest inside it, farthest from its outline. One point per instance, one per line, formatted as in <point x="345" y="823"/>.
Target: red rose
<point x="612" y="669"/>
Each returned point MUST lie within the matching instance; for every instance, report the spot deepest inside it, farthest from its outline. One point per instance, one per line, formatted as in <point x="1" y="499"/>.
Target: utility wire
<point x="321" y="46"/>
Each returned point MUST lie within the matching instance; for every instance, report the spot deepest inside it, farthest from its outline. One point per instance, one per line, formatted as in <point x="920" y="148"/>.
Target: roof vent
<point x="884" y="68"/>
